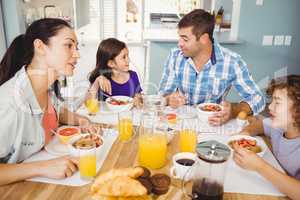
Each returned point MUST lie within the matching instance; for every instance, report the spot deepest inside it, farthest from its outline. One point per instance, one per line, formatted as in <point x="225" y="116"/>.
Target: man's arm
<point x="255" y="127"/>
<point x="248" y="90"/>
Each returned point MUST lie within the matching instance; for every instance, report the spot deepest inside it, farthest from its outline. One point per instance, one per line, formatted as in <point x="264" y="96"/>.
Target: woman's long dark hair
<point x="21" y="50"/>
<point x="108" y="49"/>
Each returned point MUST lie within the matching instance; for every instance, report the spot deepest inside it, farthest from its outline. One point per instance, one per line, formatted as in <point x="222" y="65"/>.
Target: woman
<point x="29" y="73"/>
<point x="283" y="129"/>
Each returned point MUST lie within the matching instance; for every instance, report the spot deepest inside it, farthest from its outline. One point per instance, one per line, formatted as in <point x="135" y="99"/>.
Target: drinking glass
<point x="125" y="125"/>
<point x="92" y="103"/>
<point x="188" y="135"/>
<point x="87" y="160"/>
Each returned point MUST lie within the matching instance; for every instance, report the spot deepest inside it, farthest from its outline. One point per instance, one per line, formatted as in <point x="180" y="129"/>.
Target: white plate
<point x="56" y="148"/>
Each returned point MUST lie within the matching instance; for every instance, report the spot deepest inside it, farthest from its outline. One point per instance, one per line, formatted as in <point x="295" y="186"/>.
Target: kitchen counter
<point x="170" y="35"/>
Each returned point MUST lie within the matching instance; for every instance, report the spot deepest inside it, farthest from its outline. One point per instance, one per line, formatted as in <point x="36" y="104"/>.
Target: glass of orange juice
<point x="87" y="161"/>
<point x="125" y="125"/>
<point x="152" y="143"/>
<point x="92" y="103"/>
<point x="188" y="135"/>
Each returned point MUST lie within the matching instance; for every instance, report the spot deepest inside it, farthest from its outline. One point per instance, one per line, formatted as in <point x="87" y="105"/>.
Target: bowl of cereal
<point x="84" y="140"/>
<point x="206" y="110"/>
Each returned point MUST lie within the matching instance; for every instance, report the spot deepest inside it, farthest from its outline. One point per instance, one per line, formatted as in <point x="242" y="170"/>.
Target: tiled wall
<point x="274" y="17"/>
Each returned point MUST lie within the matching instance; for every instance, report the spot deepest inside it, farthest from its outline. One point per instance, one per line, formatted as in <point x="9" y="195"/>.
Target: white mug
<point x="181" y="171"/>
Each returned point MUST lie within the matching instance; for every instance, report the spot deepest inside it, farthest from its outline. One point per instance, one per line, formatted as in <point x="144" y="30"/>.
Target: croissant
<point x="100" y="197"/>
<point x="129" y="172"/>
<point x="121" y="186"/>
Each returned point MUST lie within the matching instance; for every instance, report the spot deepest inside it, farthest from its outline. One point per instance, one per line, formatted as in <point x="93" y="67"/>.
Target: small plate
<point x="56" y="148"/>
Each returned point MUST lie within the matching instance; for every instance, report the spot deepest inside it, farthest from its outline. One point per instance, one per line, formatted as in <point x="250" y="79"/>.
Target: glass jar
<point x="207" y="182"/>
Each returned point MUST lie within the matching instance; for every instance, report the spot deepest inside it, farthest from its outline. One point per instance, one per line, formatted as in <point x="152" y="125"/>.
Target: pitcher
<point x="152" y="143"/>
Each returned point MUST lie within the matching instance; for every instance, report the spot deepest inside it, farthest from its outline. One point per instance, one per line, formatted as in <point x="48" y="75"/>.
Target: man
<point x="203" y="71"/>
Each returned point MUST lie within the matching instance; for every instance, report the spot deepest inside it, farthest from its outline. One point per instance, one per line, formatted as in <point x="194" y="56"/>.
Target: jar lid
<point x="213" y="151"/>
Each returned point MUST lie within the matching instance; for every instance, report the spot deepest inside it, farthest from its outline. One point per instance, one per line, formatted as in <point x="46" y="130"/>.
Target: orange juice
<point x="152" y="150"/>
<point x="87" y="166"/>
<point x="92" y="106"/>
<point x="125" y="129"/>
<point x="187" y="140"/>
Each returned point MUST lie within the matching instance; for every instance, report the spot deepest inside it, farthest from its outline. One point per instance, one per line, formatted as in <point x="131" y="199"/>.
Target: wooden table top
<point x="121" y="155"/>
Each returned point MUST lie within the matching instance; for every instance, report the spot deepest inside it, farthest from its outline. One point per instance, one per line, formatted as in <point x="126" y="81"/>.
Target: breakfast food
<point x="118" y="184"/>
<point x="211" y="108"/>
<point x="65" y="133"/>
<point x="88" y="140"/>
<point x="144" y="197"/>
<point x="146" y="182"/>
<point x="130" y="172"/>
<point x="172" y="118"/>
<point x="242" y="115"/>
<point x="122" y="186"/>
<point x="134" y="183"/>
<point x="161" y="183"/>
<point x="146" y="173"/>
<point x="246" y="143"/>
<point x="117" y="102"/>
<point x="68" y="131"/>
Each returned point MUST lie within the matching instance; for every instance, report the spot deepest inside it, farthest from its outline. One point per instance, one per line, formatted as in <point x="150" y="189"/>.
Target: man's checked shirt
<point x="223" y="70"/>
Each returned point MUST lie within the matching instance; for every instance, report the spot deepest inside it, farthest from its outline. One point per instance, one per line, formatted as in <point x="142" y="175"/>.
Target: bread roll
<point x="100" y="197"/>
<point x="109" y="175"/>
<point x="123" y="186"/>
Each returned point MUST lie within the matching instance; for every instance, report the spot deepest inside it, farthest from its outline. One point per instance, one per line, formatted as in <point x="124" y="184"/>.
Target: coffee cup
<point x="182" y="165"/>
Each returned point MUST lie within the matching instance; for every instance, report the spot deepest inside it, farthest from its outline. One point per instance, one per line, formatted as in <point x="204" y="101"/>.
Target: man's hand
<point x="221" y="117"/>
<point x="176" y="99"/>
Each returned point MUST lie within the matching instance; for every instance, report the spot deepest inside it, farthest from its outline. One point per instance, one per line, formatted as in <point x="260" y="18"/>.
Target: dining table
<point x="120" y="155"/>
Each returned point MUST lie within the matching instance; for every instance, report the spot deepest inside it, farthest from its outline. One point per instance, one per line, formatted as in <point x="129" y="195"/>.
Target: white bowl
<point x="73" y="151"/>
<point x="71" y="130"/>
<point x="203" y="114"/>
<point x="259" y="142"/>
<point x="120" y="108"/>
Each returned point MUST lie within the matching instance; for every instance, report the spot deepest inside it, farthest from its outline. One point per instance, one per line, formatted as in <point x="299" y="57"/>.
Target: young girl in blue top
<point x="111" y="75"/>
<point x="283" y="129"/>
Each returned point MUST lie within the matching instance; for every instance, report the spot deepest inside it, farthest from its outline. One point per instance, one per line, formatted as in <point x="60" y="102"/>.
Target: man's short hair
<point x="201" y="21"/>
